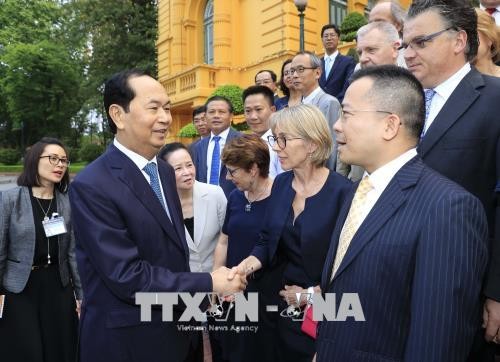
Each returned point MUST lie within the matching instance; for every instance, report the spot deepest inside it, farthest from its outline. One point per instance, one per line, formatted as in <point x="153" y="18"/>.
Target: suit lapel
<point x="128" y="173"/>
<point x="464" y="95"/>
<point x="323" y="71"/>
<point x="200" y="206"/>
<point x="201" y="169"/>
<point x="334" y="67"/>
<point x="173" y="204"/>
<point x="389" y="202"/>
<point x="332" y="251"/>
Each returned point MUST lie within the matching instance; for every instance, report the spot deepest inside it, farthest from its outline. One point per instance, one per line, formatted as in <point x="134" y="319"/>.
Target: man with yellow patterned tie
<point x="410" y="243"/>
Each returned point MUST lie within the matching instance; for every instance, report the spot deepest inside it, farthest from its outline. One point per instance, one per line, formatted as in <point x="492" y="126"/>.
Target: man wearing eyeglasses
<point x="461" y="136"/>
<point x="306" y="71"/>
<point x="410" y="244"/>
<point x="335" y="67"/>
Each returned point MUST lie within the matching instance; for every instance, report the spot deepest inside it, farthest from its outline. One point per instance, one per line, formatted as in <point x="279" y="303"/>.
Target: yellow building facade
<point x="203" y="44"/>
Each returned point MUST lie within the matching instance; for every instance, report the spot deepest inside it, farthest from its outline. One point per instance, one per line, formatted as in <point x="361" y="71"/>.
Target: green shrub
<point x="188" y="131"/>
<point x="9" y="156"/>
<point x="352" y="22"/>
<point x="232" y="92"/>
<point x="90" y="152"/>
<point x="243" y="126"/>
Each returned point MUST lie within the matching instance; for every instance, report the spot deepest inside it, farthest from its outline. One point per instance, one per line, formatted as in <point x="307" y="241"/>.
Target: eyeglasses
<point x="54" y="160"/>
<point x="419" y="41"/>
<point x="232" y="172"/>
<point x="326" y="36"/>
<point x="280" y="140"/>
<point x="300" y="69"/>
<point x="287" y="72"/>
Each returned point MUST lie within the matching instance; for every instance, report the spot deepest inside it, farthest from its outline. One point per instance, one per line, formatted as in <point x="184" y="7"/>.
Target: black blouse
<point x="42" y="243"/>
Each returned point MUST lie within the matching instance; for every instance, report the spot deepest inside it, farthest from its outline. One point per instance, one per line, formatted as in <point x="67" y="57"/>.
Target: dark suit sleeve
<point x="449" y="266"/>
<point x="351" y="64"/>
<point x="101" y="231"/>
<point x="492" y="288"/>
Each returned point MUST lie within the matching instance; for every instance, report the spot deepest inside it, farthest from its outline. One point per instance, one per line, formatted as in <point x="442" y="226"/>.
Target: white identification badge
<point x="54" y="226"/>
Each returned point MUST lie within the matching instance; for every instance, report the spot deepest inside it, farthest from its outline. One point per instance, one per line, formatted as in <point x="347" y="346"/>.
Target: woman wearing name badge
<point x="302" y="213"/>
<point x="247" y="162"/>
<point x="38" y="274"/>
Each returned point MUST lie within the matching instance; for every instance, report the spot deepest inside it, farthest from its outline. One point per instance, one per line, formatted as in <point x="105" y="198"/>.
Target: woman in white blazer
<point x="203" y="207"/>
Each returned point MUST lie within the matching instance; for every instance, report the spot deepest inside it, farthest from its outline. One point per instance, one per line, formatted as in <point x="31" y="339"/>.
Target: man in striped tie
<point x="411" y="244"/>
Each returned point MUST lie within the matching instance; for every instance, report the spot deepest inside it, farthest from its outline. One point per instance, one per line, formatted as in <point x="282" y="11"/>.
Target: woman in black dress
<point x="38" y="274"/>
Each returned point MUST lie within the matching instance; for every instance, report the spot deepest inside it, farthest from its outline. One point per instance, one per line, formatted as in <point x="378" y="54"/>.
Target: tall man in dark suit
<point x="130" y="234"/>
<point x="461" y="137"/>
<point x="207" y="152"/>
<point x="410" y="243"/>
<point x="335" y="67"/>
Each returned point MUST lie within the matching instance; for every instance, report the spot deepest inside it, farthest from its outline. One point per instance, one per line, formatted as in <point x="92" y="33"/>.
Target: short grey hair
<point x="313" y="58"/>
<point x="389" y="31"/>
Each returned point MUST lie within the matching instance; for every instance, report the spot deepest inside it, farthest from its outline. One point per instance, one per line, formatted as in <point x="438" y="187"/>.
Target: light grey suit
<point x="209" y="207"/>
<point x="330" y="107"/>
<point x="17" y="241"/>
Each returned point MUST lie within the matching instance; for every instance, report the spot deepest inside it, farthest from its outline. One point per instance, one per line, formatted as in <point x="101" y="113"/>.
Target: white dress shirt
<point x="308" y="99"/>
<point x="381" y="177"/>
<point x="222" y="142"/>
<point x="141" y="162"/>
<point x="329" y="61"/>
<point x="443" y="92"/>
<point x="496" y="14"/>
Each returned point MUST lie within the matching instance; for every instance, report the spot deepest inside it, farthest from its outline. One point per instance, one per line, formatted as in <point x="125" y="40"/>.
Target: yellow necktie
<point x="352" y="221"/>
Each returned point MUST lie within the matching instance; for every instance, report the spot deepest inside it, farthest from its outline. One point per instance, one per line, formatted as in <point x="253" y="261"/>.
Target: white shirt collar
<point x="448" y="86"/>
<point x="136" y="158"/>
<point x="223" y="135"/>
<point x="310" y="97"/>
<point x="381" y="177"/>
<point x="482" y="7"/>
<point x="332" y="56"/>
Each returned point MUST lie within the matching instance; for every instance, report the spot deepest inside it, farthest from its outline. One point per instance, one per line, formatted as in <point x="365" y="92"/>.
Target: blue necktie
<point x="429" y="94"/>
<point x="328" y="66"/>
<point x="152" y="172"/>
<point x="214" y="167"/>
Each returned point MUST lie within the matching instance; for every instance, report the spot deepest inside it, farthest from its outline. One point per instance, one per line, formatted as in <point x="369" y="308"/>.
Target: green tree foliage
<point x="40" y="85"/>
<point x="55" y="56"/>
<point x="232" y="92"/>
<point x="121" y="35"/>
<point x="40" y="71"/>
<point x="352" y="22"/>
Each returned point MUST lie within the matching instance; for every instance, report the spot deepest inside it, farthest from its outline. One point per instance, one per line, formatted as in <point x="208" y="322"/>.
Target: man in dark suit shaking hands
<point x="411" y="243"/>
<point x="130" y="235"/>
